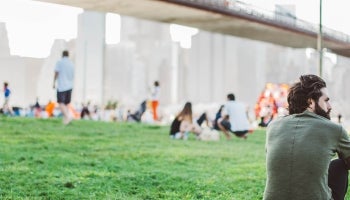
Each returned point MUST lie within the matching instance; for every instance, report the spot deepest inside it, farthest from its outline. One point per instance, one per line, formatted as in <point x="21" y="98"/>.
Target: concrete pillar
<point x="90" y="52"/>
<point x="4" y="42"/>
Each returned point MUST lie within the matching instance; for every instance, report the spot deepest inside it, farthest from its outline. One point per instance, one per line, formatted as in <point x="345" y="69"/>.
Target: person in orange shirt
<point x="50" y="107"/>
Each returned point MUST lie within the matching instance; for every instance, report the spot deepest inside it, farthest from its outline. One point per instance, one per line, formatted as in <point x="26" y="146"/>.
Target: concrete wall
<point x="142" y="57"/>
<point x="22" y="75"/>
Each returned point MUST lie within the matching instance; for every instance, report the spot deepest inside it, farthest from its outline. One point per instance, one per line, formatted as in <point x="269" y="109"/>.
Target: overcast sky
<point x="32" y="26"/>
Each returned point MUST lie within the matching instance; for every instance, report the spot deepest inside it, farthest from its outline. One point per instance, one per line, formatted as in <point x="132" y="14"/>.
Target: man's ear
<point x="311" y="103"/>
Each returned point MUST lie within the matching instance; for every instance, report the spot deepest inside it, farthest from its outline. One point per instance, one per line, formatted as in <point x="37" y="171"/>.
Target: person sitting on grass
<point x="233" y="119"/>
<point x="137" y="116"/>
<point x="183" y="123"/>
<point x="301" y="148"/>
<point x="218" y="116"/>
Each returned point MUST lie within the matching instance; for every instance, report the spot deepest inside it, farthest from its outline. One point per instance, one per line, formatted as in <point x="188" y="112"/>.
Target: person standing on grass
<point x="64" y="75"/>
<point x="155" y="100"/>
<point x="6" y="108"/>
<point x="300" y="147"/>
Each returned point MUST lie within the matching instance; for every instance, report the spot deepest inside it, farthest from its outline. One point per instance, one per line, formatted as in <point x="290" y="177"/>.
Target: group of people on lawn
<point x="231" y="118"/>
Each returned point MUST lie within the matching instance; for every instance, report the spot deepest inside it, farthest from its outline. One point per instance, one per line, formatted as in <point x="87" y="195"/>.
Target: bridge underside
<point x="209" y="20"/>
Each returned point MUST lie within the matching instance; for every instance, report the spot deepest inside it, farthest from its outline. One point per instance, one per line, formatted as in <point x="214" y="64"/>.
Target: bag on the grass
<point x="209" y="134"/>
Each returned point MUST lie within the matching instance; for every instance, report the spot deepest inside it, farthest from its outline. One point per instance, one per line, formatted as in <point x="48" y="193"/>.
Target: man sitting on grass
<point x="300" y="147"/>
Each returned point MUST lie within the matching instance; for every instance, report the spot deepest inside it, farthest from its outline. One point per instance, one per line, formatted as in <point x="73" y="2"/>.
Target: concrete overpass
<point x="237" y="19"/>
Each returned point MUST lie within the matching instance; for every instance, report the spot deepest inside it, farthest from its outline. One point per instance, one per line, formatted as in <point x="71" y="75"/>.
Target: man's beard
<point x="321" y="112"/>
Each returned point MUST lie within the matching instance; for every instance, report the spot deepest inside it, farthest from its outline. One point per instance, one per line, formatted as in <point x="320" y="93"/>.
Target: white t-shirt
<point x="155" y="93"/>
<point x="237" y="115"/>
<point x="65" y="69"/>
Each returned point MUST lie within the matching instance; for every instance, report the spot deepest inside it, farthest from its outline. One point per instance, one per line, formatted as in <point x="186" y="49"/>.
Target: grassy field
<point x="42" y="159"/>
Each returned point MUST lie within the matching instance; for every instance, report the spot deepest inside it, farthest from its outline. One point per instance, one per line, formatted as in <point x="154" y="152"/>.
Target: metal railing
<point x="281" y="19"/>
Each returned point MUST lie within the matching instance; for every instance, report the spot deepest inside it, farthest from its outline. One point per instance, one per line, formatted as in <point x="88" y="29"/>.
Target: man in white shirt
<point x="64" y="75"/>
<point x="234" y="118"/>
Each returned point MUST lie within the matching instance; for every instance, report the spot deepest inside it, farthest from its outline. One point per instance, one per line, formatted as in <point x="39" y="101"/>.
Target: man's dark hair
<point x="156" y="83"/>
<point x="6" y="84"/>
<point x="65" y="53"/>
<point x="308" y="87"/>
<point x="231" y="97"/>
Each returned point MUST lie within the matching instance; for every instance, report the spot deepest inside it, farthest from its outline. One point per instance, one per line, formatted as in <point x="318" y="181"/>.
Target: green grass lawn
<point x="42" y="159"/>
